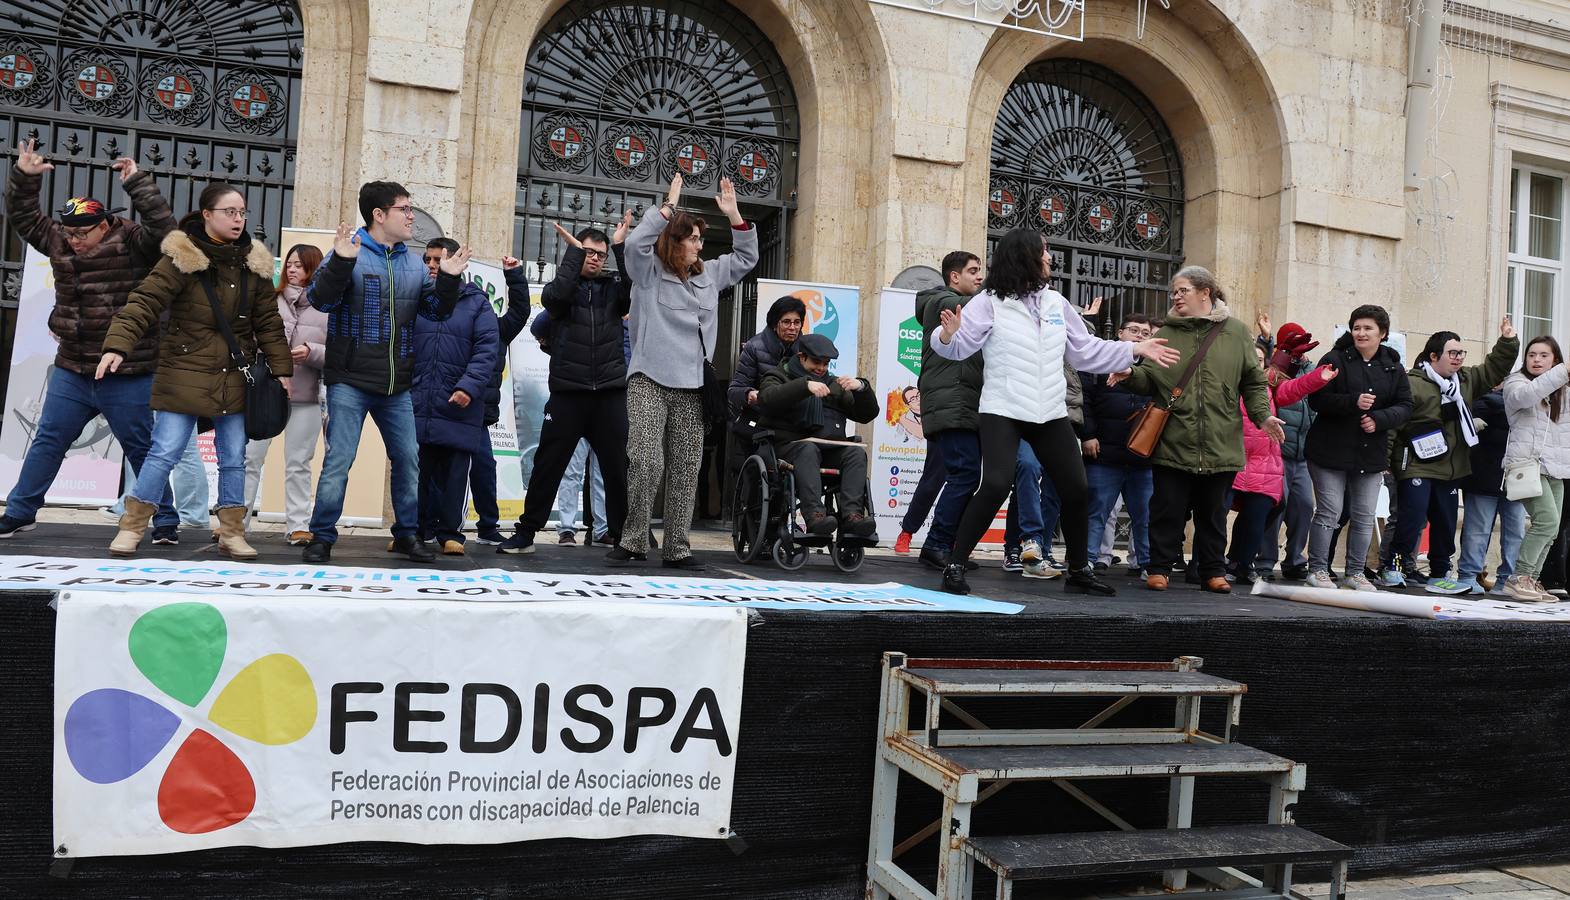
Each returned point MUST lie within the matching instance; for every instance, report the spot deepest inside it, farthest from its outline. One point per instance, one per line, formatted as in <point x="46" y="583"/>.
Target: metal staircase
<point x="970" y="764"/>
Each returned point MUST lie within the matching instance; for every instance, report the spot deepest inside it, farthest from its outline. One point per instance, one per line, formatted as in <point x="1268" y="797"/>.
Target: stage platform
<point x="1430" y="745"/>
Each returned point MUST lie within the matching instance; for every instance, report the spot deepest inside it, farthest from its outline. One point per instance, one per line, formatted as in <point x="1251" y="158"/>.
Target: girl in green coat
<point x="197" y="376"/>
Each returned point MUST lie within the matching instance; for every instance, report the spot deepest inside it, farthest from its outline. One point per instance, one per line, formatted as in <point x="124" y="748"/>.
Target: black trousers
<point x="1058" y="449"/>
<point x="933" y="475"/>
<point x="808" y="458"/>
<point x="1177" y="494"/>
<point x="570" y="416"/>
<point x="444" y="474"/>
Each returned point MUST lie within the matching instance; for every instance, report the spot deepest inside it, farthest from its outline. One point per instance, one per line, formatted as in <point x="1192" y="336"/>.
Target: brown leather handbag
<point x="1150" y="421"/>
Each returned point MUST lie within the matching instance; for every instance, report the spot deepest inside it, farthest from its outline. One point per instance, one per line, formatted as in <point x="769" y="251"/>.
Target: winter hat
<point x="1294" y="340"/>
<point x="81" y="211"/>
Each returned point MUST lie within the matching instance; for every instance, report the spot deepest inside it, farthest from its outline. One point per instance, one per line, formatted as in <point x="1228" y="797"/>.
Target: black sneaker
<point x="858" y="525"/>
<point x="621" y="556"/>
<point x="520" y="543"/>
<point x="686" y="563"/>
<point x="413" y="548"/>
<point x="1294" y="573"/>
<point x="10" y="526"/>
<point x="1011" y="560"/>
<point x="1085" y="581"/>
<point x="933" y="558"/>
<point x="821" y="524"/>
<point x="317" y="552"/>
<point x="1052" y="563"/>
<point x="167" y="534"/>
<point x="489" y="536"/>
<point x="1100" y="566"/>
<point x="954" y="579"/>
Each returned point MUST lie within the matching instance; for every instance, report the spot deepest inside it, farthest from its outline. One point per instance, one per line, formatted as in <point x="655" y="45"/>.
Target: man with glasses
<point x="588" y="380"/>
<point x="1110" y="469"/>
<point x="1432" y="453"/>
<point x="371" y="288"/>
<point x="97" y="258"/>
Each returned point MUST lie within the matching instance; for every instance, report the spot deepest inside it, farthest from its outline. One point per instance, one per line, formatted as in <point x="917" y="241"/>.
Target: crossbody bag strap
<point x="1199" y="356"/>
<point x="222" y="321"/>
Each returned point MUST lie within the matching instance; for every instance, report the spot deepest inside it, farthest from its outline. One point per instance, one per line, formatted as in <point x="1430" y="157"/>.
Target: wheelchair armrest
<point x="763" y="436"/>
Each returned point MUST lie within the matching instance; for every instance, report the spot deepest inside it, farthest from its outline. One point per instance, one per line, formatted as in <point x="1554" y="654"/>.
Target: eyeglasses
<point x="406" y="209"/>
<point x="594" y="254"/>
<point x="79" y="234"/>
<point x="1180" y="292"/>
<point x="232" y="212"/>
<point x="1456" y="354"/>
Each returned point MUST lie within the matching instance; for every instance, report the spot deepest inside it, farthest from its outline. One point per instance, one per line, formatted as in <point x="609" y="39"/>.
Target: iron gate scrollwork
<point x="1080" y="154"/>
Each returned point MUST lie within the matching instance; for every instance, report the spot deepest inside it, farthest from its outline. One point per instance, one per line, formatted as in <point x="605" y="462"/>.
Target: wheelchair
<point x="766" y="522"/>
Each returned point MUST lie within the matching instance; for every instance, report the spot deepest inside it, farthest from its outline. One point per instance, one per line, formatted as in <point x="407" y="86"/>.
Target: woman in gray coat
<point x="1540" y="430"/>
<point x="675" y="311"/>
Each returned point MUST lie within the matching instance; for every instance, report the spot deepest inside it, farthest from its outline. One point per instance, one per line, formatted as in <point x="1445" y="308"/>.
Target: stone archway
<point x="1197" y="72"/>
<point x="332" y="111"/>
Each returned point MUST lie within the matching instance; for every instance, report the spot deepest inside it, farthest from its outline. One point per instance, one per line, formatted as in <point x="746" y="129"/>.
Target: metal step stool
<point x="969" y="765"/>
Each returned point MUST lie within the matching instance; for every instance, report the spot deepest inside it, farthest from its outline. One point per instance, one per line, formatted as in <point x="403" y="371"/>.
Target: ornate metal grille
<point x="619" y="95"/>
<point x="1080" y="154"/>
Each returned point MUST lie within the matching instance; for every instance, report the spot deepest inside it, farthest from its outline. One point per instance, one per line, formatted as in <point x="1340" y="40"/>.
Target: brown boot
<point x="231" y="533"/>
<point x="132" y="524"/>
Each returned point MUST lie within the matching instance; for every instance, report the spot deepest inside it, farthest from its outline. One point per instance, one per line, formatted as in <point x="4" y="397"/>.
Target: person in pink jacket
<point x="306" y="329"/>
<point x="1256" y="490"/>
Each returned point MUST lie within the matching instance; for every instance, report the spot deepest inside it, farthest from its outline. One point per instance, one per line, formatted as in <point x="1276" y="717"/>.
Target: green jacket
<point x="950" y="388"/>
<point x="1428" y="414"/>
<point x="1205" y="432"/>
<point x="782" y="396"/>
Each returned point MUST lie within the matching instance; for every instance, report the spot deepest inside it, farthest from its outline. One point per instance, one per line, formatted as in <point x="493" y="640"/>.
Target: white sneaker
<point x="1320" y="579"/>
<point x="1521" y="589"/>
<point x="1039" y="569"/>
<point x="1031" y="552"/>
<point x="1357" y="582"/>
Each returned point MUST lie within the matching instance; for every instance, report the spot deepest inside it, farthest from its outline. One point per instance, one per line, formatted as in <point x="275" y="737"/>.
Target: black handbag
<point x="266" y="401"/>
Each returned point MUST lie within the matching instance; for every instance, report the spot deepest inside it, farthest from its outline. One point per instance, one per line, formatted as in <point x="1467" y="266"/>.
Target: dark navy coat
<point x="457" y="352"/>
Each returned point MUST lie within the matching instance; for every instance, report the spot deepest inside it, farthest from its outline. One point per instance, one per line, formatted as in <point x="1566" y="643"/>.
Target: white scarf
<point x="1450" y="392"/>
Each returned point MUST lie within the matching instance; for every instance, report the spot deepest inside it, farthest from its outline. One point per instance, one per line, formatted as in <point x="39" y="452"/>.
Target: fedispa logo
<point x="112" y="733"/>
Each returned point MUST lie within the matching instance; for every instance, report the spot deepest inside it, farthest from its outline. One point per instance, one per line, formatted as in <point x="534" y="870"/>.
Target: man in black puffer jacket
<point x="588" y="380"/>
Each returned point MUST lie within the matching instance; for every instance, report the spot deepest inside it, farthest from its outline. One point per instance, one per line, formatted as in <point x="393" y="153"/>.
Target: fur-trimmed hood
<point x="188" y="256"/>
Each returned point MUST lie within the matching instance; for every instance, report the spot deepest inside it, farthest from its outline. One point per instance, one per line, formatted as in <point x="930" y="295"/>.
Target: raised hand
<point x="1274" y="430"/>
<point x="1506" y="329"/>
<point x="567" y="236"/>
<point x="126" y="166"/>
<point x="622" y="227"/>
<point x="674" y="194"/>
<point x="511" y="262"/>
<point x="109" y="362"/>
<point x="1157" y="351"/>
<point x="1329" y="373"/>
<point x="346" y="242"/>
<point x="818" y="389"/>
<point x="1094" y="307"/>
<point x="950" y="322"/>
<point x="726" y="200"/>
<point x="1262" y="324"/>
<point x="456" y="263"/>
<point x="30" y="161"/>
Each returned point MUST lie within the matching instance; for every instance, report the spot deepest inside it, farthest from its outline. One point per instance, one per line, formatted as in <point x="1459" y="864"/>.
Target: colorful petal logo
<point x="111" y="734"/>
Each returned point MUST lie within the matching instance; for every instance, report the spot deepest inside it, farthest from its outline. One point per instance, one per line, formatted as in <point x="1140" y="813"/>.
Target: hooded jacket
<point x="371" y="301"/>
<point x="455" y="352"/>
<point x="1533" y="432"/>
<point x="1296" y="418"/>
<point x="1429" y="414"/>
<point x="586" y="324"/>
<point x="1262" y="467"/>
<point x="782" y="395"/>
<point x="1204" y="434"/>
<point x="91" y="287"/>
<point x="1337" y="440"/>
<point x="196" y="374"/>
<point x="950" y="389"/>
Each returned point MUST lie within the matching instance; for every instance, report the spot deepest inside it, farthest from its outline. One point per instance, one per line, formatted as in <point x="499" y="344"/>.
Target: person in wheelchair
<point x="797" y="400"/>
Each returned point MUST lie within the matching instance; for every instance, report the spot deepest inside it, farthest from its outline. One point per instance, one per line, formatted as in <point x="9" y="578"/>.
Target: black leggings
<point x="1058" y="449"/>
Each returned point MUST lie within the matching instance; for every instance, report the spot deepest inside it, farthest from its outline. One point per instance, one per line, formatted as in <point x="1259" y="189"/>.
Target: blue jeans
<point x="1478" y="527"/>
<point x="1034" y="513"/>
<point x="571" y="492"/>
<point x="189" y="480"/>
<point x="962" y="460"/>
<point x="71" y="403"/>
<point x="1136" y="484"/>
<point x="482" y="490"/>
<point x="172" y="433"/>
<point x="394" y="417"/>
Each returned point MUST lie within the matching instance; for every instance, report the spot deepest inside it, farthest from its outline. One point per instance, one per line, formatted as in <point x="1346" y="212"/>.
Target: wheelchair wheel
<point x="796" y="558"/>
<point x="847" y="559"/>
<point x="750" y="517"/>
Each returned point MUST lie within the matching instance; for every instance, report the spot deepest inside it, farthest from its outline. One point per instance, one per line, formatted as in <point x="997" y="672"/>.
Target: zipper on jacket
<point x="391" y="307"/>
<point x="594" y="380"/>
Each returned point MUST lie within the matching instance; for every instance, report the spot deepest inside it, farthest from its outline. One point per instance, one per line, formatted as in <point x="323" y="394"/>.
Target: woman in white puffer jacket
<point x="1535" y="403"/>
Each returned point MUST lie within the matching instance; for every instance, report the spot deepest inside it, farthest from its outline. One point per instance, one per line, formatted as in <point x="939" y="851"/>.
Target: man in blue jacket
<point x="371" y="288"/>
<point x="456" y="357"/>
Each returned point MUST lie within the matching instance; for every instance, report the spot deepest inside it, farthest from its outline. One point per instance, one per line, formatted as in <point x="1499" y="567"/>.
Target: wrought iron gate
<point x="1079" y="153"/>
<point x="194" y="90"/>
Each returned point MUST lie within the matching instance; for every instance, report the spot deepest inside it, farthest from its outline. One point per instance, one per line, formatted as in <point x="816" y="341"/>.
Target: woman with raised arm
<point x="675" y="325"/>
<point x="1540" y="430"/>
<point x="1025" y="331"/>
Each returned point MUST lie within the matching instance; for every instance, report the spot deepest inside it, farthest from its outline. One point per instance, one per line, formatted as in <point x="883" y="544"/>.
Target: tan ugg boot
<point x="231" y="533"/>
<point x="132" y="525"/>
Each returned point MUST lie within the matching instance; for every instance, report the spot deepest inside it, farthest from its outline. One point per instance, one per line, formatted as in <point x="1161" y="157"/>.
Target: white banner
<point x="1418" y="606"/>
<point x="222" y="578"/>
<point x="90" y="473"/>
<point x="504" y="434"/>
<point x="181" y="725"/>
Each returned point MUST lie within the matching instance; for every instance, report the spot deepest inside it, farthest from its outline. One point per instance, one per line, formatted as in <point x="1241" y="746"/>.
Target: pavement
<point x="1538" y="882"/>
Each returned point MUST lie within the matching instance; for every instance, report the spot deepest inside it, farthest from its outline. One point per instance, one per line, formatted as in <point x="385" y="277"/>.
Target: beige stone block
<point x="419" y="64"/>
<point x="404" y="109"/>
